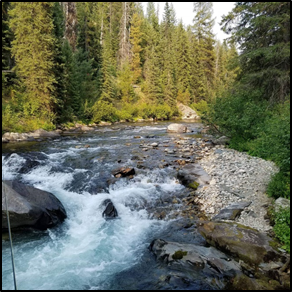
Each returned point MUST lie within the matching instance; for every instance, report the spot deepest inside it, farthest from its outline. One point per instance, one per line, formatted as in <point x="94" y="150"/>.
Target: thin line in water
<point x="10" y="236"/>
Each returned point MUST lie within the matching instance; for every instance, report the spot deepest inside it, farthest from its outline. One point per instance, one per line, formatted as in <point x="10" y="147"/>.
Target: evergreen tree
<point x="125" y="79"/>
<point x="71" y="98"/>
<point x="168" y="56"/>
<point x="8" y="76"/>
<point x="135" y="39"/>
<point x="202" y="28"/>
<point x="152" y="86"/>
<point x="262" y="30"/>
<point x="6" y="38"/>
<point x="33" y="50"/>
<point x="184" y="65"/>
<point x="59" y="60"/>
<point x="109" y="91"/>
<point x="89" y="17"/>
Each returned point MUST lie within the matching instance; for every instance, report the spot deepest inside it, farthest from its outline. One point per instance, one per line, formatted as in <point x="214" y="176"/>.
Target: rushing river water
<point x="86" y="251"/>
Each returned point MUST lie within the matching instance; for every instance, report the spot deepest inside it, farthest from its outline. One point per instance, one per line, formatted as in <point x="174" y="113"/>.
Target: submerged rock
<point x="123" y="172"/>
<point x="30" y="207"/>
<point x="110" y="211"/>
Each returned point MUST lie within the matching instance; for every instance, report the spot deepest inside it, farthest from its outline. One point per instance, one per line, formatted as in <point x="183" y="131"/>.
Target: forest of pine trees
<point x="90" y="61"/>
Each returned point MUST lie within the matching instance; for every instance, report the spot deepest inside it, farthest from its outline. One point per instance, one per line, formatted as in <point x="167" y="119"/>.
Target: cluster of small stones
<point x="236" y="177"/>
<point x="184" y="147"/>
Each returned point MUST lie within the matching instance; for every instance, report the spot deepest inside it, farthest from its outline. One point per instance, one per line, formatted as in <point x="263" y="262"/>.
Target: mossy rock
<point x="242" y="282"/>
<point x="242" y="242"/>
<point x="194" y="185"/>
<point x="179" y="254"/>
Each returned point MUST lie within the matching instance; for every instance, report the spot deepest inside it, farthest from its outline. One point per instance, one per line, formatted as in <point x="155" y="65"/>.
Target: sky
<point x="184" y="11"/>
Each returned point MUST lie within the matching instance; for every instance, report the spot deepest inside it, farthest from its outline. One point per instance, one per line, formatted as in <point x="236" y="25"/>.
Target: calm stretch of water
<point x="86" y="251"/>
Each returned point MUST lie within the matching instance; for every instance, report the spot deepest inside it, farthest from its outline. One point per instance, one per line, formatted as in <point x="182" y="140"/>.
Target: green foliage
<point x="201" y="107"/>
<point x="160" y="112"/>
<point x="125" y="80"/>
<point x="129" y="112"/>
<point x="15" y="121"/>
<point x="273" y="138"/>
<point x="10" y="119"/>
<point x="279" y="185"/>
<point x="104" y="111"/>
<point x="282" y="227"/>
<point x="238" y="115"/>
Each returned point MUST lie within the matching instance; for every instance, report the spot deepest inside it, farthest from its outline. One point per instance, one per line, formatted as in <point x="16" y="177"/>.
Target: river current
<point x="87" y="252"/>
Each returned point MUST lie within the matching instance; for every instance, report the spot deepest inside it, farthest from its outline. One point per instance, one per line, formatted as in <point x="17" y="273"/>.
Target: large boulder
<point x="244" y="243"/>
<point x="176" y="128"/>
<point x="196" y="261"/>
<point x="30" y="207"/>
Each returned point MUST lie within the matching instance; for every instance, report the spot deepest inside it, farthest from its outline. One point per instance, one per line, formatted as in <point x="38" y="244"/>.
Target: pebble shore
<point x="237" y="177"/>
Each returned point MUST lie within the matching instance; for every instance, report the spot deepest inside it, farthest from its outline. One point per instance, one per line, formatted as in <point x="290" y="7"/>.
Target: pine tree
<point x="202" y="28"/>
<point x="184" y="65"/>
<point x="59" y="60"/>
<point x="8" y="76"/>
<point x="262" y="30"/>
<point x="89" y="16"/>
<point x="152" y="66"/>
<point x="6" y="38"/>
<point x="72" y="96"/>
<point x="136" y="39"/>
<point x="33" y="50"/>
<point x="168" y="56"/>
<point x="108" y="92"/>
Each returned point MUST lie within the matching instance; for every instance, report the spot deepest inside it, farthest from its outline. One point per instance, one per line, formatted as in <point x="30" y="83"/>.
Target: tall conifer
<point x="33" y="49"/>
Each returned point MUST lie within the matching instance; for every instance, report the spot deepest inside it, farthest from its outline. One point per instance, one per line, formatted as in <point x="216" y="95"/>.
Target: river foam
<point x="86" y="251"/>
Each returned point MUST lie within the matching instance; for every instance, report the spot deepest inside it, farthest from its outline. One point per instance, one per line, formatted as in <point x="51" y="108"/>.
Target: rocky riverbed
<point x="235" y="178"/>
<point x="218" y="234"/>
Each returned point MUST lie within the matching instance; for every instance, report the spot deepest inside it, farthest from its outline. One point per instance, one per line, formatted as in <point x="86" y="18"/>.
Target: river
<point x="87" y="252"/>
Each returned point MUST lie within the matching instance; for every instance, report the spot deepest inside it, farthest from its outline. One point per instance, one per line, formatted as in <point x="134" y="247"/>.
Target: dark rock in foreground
<point x="196" y="261"/>
<point x="30" y="207"/>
